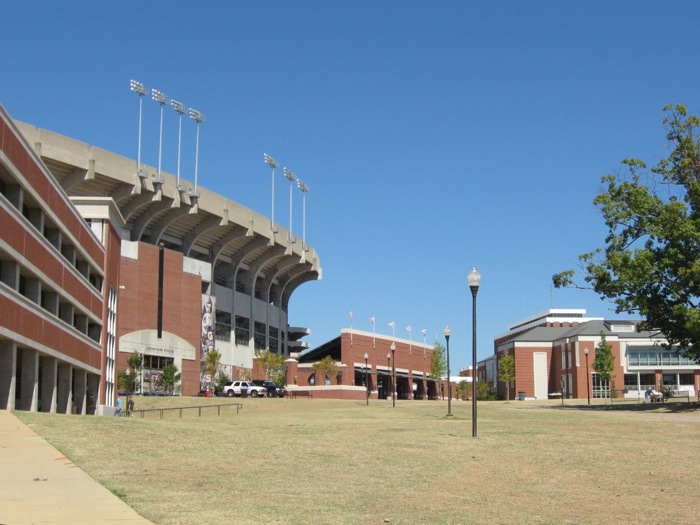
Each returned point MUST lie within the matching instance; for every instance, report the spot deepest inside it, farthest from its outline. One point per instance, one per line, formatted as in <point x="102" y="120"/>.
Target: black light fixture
<point x="393" y="374"/>
<point x="366" y="381"/>
<point x="447" y="333"/>
<point x="474" y="279"/>
<point x="588" y="377"/>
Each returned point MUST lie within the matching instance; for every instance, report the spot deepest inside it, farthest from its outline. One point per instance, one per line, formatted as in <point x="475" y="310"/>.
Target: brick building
<point x="101" y="257"/>
<point x="554" y="353"/>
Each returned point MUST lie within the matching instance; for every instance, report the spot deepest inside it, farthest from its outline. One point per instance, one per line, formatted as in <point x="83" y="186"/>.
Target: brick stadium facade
<point x="101" y="258"/>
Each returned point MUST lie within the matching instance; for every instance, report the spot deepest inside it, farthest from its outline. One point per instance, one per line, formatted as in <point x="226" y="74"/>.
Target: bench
<point x="301" y="393"/>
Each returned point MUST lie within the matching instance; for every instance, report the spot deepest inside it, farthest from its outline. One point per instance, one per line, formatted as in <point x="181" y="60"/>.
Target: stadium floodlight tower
<point x="304" y="190"/>
<point x="140" y="90"/>
<point x="289" y="174"/>
<point x="198" y="118"/>
<point x="179" y="108"/>
<point x="273" y="164"/>
<point x="162" y="99"/>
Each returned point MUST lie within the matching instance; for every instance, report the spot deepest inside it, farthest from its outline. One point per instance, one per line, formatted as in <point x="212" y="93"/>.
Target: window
<point x="242" y="330"/>
<point x="152" y="366"/>
<point x="656" y="356"/>
<point x="223" y="326"/>
<point x="601" y="389"/>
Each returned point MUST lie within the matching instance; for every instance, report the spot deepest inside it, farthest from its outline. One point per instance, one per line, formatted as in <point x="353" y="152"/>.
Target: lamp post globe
<point x="474" y="279"/>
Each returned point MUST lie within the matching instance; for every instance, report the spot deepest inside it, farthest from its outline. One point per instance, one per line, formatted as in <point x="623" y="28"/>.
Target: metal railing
<point x="199" y="408"/>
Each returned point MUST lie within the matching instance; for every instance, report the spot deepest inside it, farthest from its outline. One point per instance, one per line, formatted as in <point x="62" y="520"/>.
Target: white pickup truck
<point x="235" y="388"/>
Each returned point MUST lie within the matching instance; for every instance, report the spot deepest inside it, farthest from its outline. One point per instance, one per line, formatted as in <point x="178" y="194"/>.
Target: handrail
<point x="200" y="407"/>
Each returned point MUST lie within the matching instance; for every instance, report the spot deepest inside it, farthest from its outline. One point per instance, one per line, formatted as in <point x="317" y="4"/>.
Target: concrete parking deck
<point x="38" y="485"/>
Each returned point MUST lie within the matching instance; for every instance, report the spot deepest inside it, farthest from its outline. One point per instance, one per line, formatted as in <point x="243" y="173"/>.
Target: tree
<point x="275" y="369"/>
<point x="326" y="367"/>
<point x="604" y="362"/>
<point x="168" y="378"/>
<point x="506" y="372"/>
<point x="212" y="365"/>
<point x="438" y="362"/>
<point x="131" y="382"/>
<point x="650" y="264"/>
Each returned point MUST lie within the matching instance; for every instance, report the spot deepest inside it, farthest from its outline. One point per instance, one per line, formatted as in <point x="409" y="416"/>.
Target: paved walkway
<point x="38" y="485"/>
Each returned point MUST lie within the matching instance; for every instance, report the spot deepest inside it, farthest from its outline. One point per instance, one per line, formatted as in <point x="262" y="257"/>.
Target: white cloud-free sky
<point x="433" y="135"/>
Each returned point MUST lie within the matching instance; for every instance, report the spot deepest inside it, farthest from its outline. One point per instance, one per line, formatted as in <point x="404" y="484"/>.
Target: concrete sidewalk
<point x="39" y="485"/>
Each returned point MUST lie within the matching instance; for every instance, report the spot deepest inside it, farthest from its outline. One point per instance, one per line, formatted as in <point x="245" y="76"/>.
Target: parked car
<point x="272" y="389"/>
<point x="235" y="388"/>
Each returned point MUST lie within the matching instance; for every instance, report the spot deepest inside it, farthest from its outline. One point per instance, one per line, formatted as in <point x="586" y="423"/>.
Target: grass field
<point x="283" y="461"/>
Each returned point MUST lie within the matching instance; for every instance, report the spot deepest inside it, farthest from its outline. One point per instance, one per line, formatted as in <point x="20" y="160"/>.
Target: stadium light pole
<point x="474" y="279"/>
<point x="198" y="118"/>
<point x="140" y="90"/>
<point x="179" y="108"/>
<point x="289" y="174"/>
<point x="162" y="99"/>
<point x="273" y="164"/>
<point x="447" y="333"/>
<point x="304" y="190"/>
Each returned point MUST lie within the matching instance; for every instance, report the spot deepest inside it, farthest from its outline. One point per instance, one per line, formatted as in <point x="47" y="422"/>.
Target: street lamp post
<point x="128" y="381"/>
<point x="393" y="374"/>
<point x="588" y="377"/>
<point x="447" y="333"/>
<point x="366" y="381"/>
<point x="388" y="369"/>
<point x="474" y="279"/>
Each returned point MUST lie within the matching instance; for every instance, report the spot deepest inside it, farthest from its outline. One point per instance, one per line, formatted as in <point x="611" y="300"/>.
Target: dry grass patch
<point x="299" y="461"/>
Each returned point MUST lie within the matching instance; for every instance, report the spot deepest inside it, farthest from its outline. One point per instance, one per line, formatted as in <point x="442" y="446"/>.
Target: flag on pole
<point x="410" y="339"/>
<point x="409" y="328"/>
<point x="392" y="324"/>
<point x="371" y="319"/>
<point x="424" y="331"/>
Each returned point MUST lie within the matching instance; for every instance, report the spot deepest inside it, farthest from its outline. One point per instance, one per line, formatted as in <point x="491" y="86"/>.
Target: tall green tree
<point x="326" y="367"/>
<point x="168" y="378"/>
<point x="438" y="363"/>
<point x="650" y="263"/>
<point x="506" y="372"/>
<point x="131" y="381"/>
<point x="275" y="368"/>
<point x="604" y="363"/>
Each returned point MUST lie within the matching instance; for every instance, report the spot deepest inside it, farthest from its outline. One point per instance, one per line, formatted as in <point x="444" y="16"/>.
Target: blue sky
<point x="433" y="136"/>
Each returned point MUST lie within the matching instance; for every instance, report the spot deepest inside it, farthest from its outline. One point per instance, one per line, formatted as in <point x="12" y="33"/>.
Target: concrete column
<point x="80" y="391"/>
<point x="93" y="394"/>
<point x="8" y="370"/>
<point x="29" y="386"/>
<point x="49" y="378"/>
<point x="64" y="395"/>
